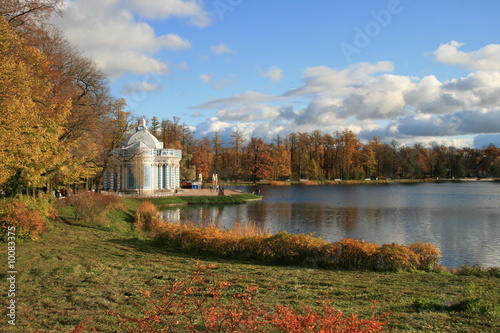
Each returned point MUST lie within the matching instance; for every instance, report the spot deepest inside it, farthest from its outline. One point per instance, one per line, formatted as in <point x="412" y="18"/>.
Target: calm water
<point x="462" y="219"/>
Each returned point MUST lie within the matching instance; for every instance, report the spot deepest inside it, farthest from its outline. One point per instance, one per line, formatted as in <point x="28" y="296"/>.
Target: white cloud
<point x="163" y="9"/>
<point x="371" y="102"/>
<point x="274" y="74"/>
<point x="255" y="112"/>
<point x="319" y="79"/>
<point x="484" y="59"/>
<point x="221" y="48"/>
<point x="107" y="32"/>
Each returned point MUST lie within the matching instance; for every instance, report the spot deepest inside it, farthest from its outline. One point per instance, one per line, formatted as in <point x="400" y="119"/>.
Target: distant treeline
<point x="320" y="156"/>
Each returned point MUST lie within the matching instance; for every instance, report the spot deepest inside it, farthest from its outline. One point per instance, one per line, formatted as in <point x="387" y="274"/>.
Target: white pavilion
<point x="144" y="165"/>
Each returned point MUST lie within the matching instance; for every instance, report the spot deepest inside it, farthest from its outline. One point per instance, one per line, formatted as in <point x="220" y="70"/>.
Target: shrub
<point x="289" y="248"/>
<point x="201" y="303"/>
<point x="427" y="255"/>
<point x="280" y="183"/>
<point x="30" y="216"/>
<point x="349" y="253"/>
<point x="297" y="249"/>
<point x="395" y="257"/>
<point x="90" y="208"/>
<point x="147" y="216"/>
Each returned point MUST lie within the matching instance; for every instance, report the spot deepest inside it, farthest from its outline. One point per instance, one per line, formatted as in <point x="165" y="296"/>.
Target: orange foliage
<point x="28" y="222"/>
<point x="147" y="216"/>
<point x="427" y="254"/>
<point x="350" y="253"/>
<point x="201" y="303"/>
<point x="394" y="257"/>
<point x="30" y="216"/>
<point x="300" y="249"/>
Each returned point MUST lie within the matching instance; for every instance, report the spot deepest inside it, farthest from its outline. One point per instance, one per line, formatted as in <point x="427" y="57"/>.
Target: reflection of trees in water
<point x="348" y="218"/>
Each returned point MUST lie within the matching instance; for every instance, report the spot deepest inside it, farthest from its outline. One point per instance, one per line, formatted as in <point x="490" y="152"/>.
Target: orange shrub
<point x="350" y="253"/>
<point x="310" y="182"/>
<point x="280" y="183"/>
<point x="300" y="249"/>
<point x="395" y="257"/>
<point x="289" y="248"/>
<point x="30" y="216"/>
<point x="28" y="222"/>
<point x="427" y="255"/>
<point x="201" y="303"/>
<point x="147" y="216"/>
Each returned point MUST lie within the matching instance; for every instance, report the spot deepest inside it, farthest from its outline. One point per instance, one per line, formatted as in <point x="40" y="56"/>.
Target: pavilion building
<point x="143" y="165"/>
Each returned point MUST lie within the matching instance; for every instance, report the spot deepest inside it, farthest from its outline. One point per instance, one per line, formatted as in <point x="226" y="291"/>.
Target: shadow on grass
<point x="149" y="246"/>
<point x="142" y="245"/>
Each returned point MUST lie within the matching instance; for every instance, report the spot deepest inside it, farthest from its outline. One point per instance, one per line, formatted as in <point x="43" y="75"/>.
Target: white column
<point x="159" y="172"/>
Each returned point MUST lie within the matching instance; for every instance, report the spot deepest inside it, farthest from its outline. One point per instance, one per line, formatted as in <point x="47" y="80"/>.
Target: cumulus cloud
<point x="108" y="32"/>
<point x="163" y="9"/>
<point x="255" y="112"/>
<point x="221" y="48"/>
<point x="274" y="74"/>
<point x="370" y="101"/>
<point x="319" y="79"/>
<point x="484" y="59"/>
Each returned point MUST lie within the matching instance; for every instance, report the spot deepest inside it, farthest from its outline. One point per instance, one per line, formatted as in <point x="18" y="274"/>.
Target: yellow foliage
<point x="30" y="121"/>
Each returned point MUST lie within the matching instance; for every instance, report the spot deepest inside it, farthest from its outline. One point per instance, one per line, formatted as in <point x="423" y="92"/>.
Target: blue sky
<point x="411" y="71"/>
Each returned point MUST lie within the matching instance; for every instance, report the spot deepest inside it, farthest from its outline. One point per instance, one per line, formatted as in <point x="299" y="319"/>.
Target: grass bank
<point x="73" y="272"/>
<point x="200" y="200"/>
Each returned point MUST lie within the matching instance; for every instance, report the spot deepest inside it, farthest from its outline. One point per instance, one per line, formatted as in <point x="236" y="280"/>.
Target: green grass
<point x="74" y="272"/>
<point x="197" y="200"/>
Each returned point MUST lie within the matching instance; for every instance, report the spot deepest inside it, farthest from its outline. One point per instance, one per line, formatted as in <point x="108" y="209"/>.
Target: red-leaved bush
<point x="90" y="208"/>
<point x="30" y="216"/>
<point x="201" y="303"/>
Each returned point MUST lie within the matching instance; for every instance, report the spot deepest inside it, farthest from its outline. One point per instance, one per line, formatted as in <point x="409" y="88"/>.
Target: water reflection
<point x="463" y="220"/>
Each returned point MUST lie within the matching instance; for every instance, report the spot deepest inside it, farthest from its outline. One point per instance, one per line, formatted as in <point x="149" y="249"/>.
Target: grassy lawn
<point x="73" y="272"/>
<point x="226" y="199"/>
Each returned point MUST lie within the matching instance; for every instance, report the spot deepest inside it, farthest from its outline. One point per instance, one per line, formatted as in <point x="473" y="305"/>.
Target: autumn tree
<point x="369" y="158"/>
<point x="348" y="145"/>
<point x="236" y="155"/>
<point x="154" y="127"/>
<point x="281" y="163"/>
<point x="113" y="131"/>
<point x="217" y="149"/>
<point x="31" y="120"/>
<point x="203" y="158"/>
<point x="258" y="160"/>
<point x="26" y="17"/>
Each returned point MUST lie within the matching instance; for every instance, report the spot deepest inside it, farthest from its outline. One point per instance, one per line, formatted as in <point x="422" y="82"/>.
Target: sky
<point x="406" y="70"/>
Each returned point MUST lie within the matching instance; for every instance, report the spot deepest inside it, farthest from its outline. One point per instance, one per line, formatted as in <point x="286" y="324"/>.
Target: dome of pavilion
<point x="142" y="138"/>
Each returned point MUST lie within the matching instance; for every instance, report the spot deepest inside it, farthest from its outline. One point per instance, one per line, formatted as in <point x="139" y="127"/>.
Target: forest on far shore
<point x="60" y="125"/>
<point x="319" y="156"/>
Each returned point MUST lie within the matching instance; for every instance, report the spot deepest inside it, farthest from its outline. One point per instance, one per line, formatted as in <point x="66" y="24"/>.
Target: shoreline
<point x="360" y="182"/>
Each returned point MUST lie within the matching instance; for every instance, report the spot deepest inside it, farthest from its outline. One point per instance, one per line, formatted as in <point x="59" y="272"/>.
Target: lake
<point x="461" y="219"/>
